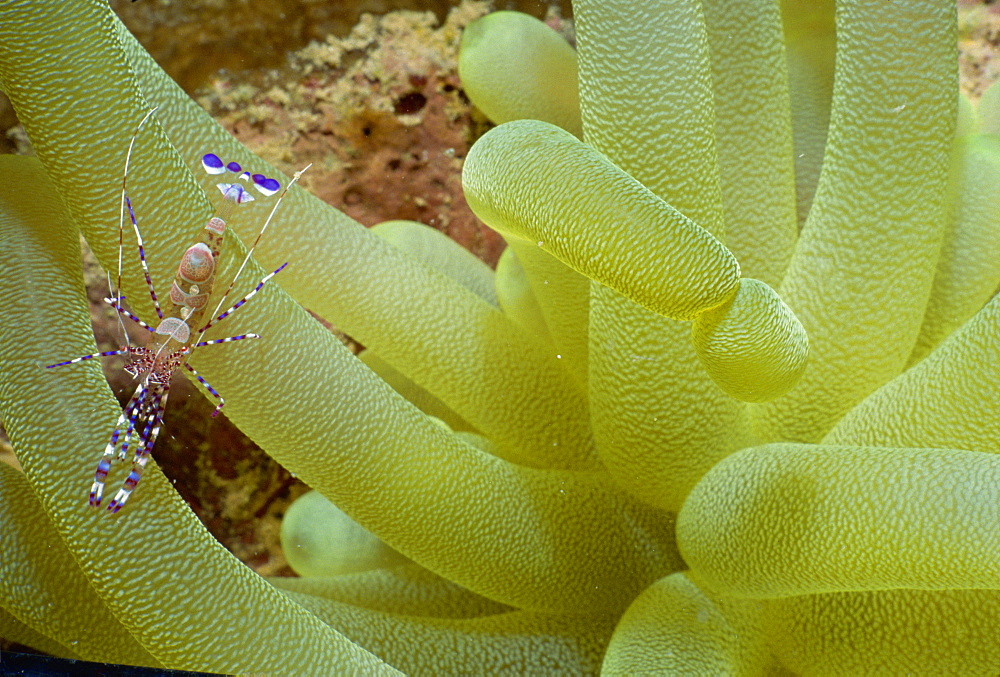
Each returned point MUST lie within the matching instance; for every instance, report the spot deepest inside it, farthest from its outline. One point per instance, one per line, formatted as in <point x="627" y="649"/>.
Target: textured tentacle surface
<point x="527" y="437"/>
<point x="51" y="421"/>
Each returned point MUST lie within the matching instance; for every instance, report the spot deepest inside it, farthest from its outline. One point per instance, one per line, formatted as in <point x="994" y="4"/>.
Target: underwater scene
<point x="613" y="338"/>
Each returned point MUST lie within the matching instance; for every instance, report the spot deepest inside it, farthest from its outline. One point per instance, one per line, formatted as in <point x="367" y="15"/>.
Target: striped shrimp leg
<point x="153" y="420"/>
<point x="236" y="306"/>
<point x="127" y="424"/>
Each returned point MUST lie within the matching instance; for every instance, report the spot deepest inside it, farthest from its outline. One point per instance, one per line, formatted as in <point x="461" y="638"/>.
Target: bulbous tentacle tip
<point x="319" y="539"/>
<point x="532" y="181"/>
<point x="514" y="67"/>
<point x="752" y="346"/>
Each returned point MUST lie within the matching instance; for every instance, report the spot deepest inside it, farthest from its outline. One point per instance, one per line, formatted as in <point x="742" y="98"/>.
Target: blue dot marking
<point x="212" y="164"/>
<point x="264" y="185"/>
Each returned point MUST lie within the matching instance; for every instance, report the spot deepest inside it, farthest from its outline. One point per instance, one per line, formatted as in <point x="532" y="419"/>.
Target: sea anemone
<point x="602" y="479"/>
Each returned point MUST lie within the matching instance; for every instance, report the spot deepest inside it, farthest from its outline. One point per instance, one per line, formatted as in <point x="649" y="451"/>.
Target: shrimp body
<point x="178" y="330"/>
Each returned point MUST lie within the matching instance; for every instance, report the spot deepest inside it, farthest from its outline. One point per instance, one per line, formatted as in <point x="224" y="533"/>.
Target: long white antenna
<point x="117" y="291"/>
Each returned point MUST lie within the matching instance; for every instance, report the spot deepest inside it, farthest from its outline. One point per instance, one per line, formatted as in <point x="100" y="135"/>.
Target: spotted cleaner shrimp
<point x="177" y="333"/>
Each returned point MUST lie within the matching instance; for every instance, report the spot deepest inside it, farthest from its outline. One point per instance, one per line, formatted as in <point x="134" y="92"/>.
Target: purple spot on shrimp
<point x="264" y="185"/>
<point x="212" y="164"/>
<point x="234" y="167"/>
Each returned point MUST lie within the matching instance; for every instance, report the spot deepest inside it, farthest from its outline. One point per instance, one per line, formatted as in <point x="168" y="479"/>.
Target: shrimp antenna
<point x="116" y="292"/>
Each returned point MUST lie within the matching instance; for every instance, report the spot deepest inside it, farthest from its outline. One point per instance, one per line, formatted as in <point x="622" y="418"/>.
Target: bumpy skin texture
<point x="967" y="274"/>
<point x="752" y="346"/>
<point x="651" y="60"/>
<point x="877" y="208"/>
<point x="604" y="224"/>
<point x="755" y="170"/>
<point x="34" y="556"/>
<point x="479" y="363"/>
<point x="677" y="628"/>
<point x="659" y="420"/>
<point x="915" y="632"/>
<point x="800" y="520"/>
<point x="137" y="564"/>
<point x="359" y="476"/>
<point x="515" y="67"/>
<point x="538" y="538"/>
<point x="548" y="536"/>
<point x="849" y="519"/>
<point x="514" y="643"/>
<point x="750" y="342"/>
<point x="140" y="563"/>
<point x="946" y="400"/>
